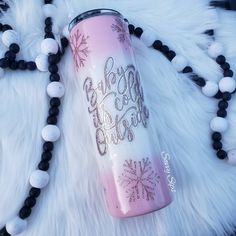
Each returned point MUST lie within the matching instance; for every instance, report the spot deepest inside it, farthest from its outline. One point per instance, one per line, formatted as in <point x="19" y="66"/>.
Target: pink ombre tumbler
<point x="131" y="171"/>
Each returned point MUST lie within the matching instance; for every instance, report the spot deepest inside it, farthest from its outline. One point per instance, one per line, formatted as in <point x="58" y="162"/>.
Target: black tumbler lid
<point x="92" y="13"/>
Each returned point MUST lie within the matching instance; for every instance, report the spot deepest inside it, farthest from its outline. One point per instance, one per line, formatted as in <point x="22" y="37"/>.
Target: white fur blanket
<point x="73" y="203"/>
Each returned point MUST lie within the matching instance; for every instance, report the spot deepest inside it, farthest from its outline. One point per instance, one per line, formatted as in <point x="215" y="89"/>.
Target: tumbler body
<point x="131" y="170"/>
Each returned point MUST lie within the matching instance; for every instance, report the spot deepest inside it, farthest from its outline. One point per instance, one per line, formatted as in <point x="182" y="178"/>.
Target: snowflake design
<point x="80" y="48"/>
<point x="120" y="28"/>
<point x="139" y="180"/>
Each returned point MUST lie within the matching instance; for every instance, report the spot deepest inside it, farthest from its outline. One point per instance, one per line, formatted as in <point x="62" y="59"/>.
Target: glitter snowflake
<point x="139" y="180"/>
<point x="121" y="29"/>
<point x="80" y="48"/>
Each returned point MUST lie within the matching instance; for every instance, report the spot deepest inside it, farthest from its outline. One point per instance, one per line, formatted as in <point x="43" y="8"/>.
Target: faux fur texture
<point x="73" y="203"/>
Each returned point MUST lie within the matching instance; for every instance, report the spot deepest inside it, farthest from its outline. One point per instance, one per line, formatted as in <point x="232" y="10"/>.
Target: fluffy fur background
<point x="73" y="203"/>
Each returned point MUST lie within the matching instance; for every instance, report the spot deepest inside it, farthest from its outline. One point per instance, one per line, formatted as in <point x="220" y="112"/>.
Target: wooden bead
<point x="55" y="89"/>
<point x="148" y="37"/>
<point x="179" y="63"/>
<point x="215" y="50"/>
<point x="210" y="89"/>
<point x="9" y="37"/>
<point x="49" y="45"/>
<point x="232" y="157"/>
<point x="51" y="133"/>
<point x="219" y="124"/>
<point x="16" y="226"/>
<point x="39" y="179"/>
<point x="227" y="84"/>
<point x="42" y="62"/>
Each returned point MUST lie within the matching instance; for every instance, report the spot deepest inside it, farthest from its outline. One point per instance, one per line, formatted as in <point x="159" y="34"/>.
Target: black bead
<point x="14" y="48"/>
<point x="187" y="69"/>
<point x="222" y="113"/>
<point x="55" y="102"/>
<point x="53" y="111"/>
<point x="22" y="65"/>
<point x="226" y="96"/>
<point x="53" y="68"/>
<point x="200" y="81"/>
<point x="210" y="32"/>
<point x="30" y="202"/>
<point x="47" y="1"/>
<point x="48" y="146"/>
<point x="170" y="55"/>
<point x="53" y="59"/>
<point x="52" y="120"/>
<point x="54" y="77"/>
<point x="220" y="60"/>
<point x="218" y="95"/>
<point x="34" y="192"/>
<point x="138" y="32"/>
<point x="3" y="232"/>
<point x="222" y="154"/>
<point x="48" y="21"/>
<point x="43" y="165"/>
<point x="216" y="136"/>
<point x="131" y="28"/>
<point x="24" y="212"/>
<point x="228" y="73"/>
<point x="48" y="29"/>
<point x="225" y="66"/>
<point x="49" y="35"/>
<point x="46" y="156"/>
<point x="6" y="27"/>
<point x="0" y="26"/>
<point x="31" y="65"/>
<point x="4" y="63"/>
<point x="11" y="56"/>
<point x="217" y="145"/>
<point x="14" y="65"/>
<point x="157" y="44"/>
<point x="223" y="104"/>
<point x="64" y="42"/>
<point x="165" y="49"/>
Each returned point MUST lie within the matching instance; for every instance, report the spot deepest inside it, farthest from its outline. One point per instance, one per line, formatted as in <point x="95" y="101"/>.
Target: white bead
<point x="16" y="226"/>
<point x="232" y="157"/>
<point x="49" y="10"/>
<point x="39" y="179"/>
<point x="49" y="45"/>
<point x="9" y="37"/>
<point x="210" y="89"/>
<point x="66" y="32"/>
<point x="2" y="73"/>
<point x="55" y="89"/>
<point x="219" y="124"/>
<point x="51" y="133"/>
<point x="215" y="50"/>
<point x="227" y="84"/>
<point x="42" y="62"/>
<point x="179" y="63"/>
<point x="148" y="37"/>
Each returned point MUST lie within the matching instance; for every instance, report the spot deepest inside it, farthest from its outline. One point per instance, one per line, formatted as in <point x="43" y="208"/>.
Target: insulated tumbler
<point x="131" y="171"/>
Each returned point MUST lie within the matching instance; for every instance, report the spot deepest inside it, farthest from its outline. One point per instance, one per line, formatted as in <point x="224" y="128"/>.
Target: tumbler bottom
<point x="132" y="194"/>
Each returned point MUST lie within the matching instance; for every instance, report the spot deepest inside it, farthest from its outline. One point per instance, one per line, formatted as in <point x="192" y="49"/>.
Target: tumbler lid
<point x="92" y="13"/>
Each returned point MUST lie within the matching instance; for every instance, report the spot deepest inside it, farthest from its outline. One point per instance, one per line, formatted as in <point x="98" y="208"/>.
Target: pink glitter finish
<point x="138" y="195"/>
<point x="131" y="171"/>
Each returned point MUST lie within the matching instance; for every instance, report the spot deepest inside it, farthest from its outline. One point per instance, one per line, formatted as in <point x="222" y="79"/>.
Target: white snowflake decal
<point x="80" y="48"/>
<point x="139" y="180"/>
<point x="121" y="29"/>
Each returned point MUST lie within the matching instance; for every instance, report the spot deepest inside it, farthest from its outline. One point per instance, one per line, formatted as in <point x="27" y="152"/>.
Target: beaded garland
<point x="222" y="91"/>
<point x="47" y="61"/>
